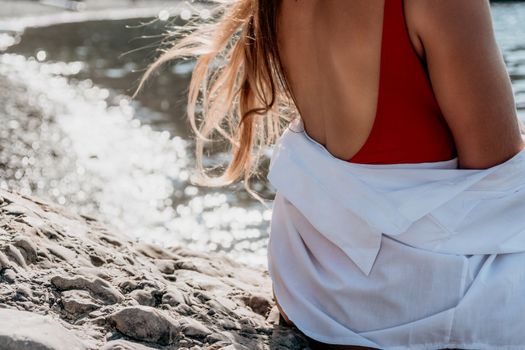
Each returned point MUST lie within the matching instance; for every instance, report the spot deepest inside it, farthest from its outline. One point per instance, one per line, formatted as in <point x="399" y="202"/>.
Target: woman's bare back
<point x="331" y="51"/>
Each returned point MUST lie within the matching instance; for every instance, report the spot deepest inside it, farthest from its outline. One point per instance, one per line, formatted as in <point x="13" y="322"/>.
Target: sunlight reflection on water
<point x="118" y="169"/>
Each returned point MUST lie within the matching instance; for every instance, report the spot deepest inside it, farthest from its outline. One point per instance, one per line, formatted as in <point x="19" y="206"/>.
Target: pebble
<point x="96" y="260"/>
<point x="78" y="303"/>
<point x="183" y="309"/>
<point x="259" y="303"/>
<point x="15" y="256"/>
<point x="218" y="337"/>
<point x="23" y="293"/>
<point x="4" y="261"/>
<point x="217" y="306"/>
<point x="248" y="325"/>
<point x="27" y="248"/>
<point x="166" y="266"/>
<point x="173" y="297"/>
<point x="101" y="289"/>
<point x="229" y="324"/>
<point x="146" y="324"/>
<point x="143" y="297"/>
<point x="193" y="328"/>
<point x="202" y="296"/>
<point x="128" y="285"/>
<point x="9" y="276"/>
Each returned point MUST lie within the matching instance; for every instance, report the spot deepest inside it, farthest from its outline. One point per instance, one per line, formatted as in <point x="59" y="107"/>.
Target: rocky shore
<point x="68" y="282"/>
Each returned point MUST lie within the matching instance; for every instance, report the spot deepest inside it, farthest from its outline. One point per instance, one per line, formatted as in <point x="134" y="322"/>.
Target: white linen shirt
<point x="397" y="256"/>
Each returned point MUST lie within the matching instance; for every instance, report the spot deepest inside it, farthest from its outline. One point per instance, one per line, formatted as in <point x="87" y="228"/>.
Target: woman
<point x="407" y="139"/>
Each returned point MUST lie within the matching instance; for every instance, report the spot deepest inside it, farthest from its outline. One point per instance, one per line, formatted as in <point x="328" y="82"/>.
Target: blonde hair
<point x="239" y="81"/>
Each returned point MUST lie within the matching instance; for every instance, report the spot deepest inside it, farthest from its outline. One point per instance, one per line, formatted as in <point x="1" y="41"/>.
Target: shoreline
<point x="101" y="126"/>
<point x="30" y="14"/>
<point x="68" y="281"/>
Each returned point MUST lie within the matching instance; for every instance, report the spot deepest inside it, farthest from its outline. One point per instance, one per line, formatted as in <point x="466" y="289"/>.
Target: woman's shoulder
<point x="469" y="77"/>
<point x="448" y="21"/>
<point x="449" y="16"/>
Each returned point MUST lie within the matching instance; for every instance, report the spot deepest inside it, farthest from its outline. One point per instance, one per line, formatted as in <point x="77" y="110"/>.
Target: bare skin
<point x="331" y="52"/>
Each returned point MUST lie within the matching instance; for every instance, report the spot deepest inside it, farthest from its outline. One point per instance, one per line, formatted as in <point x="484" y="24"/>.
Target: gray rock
<point x="16" y="209"/>
<point x="23" y="292"/>
<point x="249" y="325"/>
<point x="15" y="255"/>
<point x="218" y="337"/>
<point x="27" y="248"/>
<point x="128" y="285"/>
<point x="216" y="305"/>
<point x="143" y="297"/>
<point x="173" y="297"/>
<point x="4" y="261"/>
<point x="22" y="330"/>
<point x="229" y="324"/>
<point x="9" y="276"/>
<point x="193" y="328"/>
<point x="78" y="302"/>
<point x="96" y="260"/>
<point x="184" y="309"/>
<point x="259" y="303"/>
<point x="146" y="324"/>
<point x="100" y="289"/>
<point x="166" y="266"/>
<point x="226" y="336"/>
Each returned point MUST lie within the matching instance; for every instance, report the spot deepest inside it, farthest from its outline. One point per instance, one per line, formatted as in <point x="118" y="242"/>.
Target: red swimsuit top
<point x="409" y="126"/>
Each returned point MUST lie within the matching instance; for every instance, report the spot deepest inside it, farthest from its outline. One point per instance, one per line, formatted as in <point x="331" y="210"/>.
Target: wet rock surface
<point x="69" y="282"/>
